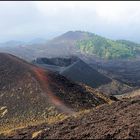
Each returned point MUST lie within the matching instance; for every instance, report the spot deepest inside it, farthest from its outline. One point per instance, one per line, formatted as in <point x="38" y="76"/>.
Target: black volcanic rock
<point x="82" y="72"/>
<point x="57" y="61"/>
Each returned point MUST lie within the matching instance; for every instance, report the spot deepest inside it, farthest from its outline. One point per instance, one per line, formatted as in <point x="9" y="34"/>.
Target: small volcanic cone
<point x="30" y="95"/>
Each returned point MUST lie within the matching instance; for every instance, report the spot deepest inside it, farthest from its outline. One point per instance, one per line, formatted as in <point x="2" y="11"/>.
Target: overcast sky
<point x="28" y="20"/>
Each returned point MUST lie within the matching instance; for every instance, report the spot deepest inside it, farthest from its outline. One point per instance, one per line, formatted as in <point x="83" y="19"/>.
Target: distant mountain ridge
<point x="75" y="43"/>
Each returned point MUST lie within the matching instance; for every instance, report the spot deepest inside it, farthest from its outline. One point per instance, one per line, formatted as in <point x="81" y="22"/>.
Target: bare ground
<point x="120" y="120"/>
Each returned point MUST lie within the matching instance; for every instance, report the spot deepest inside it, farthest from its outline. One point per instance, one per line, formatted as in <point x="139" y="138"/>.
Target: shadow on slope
<point x="82" y="72"/>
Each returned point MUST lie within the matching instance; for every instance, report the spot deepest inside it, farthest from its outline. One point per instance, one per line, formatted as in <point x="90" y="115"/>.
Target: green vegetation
<point x="109" y="49"/>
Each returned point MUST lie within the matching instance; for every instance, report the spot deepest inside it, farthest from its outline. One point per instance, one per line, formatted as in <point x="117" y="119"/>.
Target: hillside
<point x="82" y="72"/>
<point x="73" y="36"/>
<point x="120" y="120"/>
<point x="75" y="43"/>
<point x="30" y="95"/>
<point x="79" y="70"/>
<point x="124" y="71"/>
<point x="109" y="49"/>
<point x="63" y="45"/>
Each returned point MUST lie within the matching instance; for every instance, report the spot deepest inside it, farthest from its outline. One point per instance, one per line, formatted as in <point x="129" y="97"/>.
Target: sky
<point x="27" y="20"/>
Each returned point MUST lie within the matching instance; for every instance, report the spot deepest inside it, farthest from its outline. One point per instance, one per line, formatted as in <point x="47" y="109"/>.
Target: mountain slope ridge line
<point x="41" y="76"/>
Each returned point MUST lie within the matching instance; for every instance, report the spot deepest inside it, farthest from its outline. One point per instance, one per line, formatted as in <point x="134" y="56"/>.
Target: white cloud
<point x="54" y="7"/>
<point x="111" y="11"/>
<point x="113" y="18"/>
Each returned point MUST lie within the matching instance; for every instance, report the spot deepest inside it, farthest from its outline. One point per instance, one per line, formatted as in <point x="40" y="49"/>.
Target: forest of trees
<point x="109" y="49"/>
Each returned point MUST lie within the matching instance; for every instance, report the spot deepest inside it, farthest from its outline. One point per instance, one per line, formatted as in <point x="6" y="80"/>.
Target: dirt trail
<point x="41" y="76"/>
